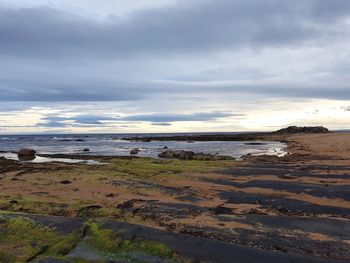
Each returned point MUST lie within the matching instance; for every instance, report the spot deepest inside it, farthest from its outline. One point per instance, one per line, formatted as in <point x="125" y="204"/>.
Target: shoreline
<point x="254" y="203"/>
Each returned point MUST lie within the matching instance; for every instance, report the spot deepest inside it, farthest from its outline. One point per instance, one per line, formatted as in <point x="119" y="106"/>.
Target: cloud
<point x="54" y="55"/>
<point x="346" y="108"/>
<point x="52" y="124"/>
<point x="17" y="90"/>
<point x="187" y="27"/>
<point x="161" y="124"/>
<point x="167" y="59"/>
<point x="166" y="118"/>
<point x="155" y="119"/>
<point x="59" y="121"/>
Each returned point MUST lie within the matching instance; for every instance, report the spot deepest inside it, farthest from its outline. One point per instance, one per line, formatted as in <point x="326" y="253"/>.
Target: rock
<point x="178" y="154"/>
<point x="86" y="150"/>
<point x="146" y="140"/>
<point x="134" y="151"/>
<point x="165" y="147"/>
<point x="222" y="210"/>
<point x="26" y="152"/>
<point x="189" y="155"/>
<point x="129" y="204"/>
<point x="307" y="129"/>
<point x="80" y="140"/>
<point x="111" y="195"/>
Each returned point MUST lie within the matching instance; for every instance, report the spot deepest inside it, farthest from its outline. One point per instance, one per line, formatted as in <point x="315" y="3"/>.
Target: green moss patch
<point x="113" y="247"/>
<point x="22" y="240"/>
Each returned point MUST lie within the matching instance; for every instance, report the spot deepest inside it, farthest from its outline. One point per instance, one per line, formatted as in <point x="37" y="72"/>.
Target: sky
<point x="126" y="66"/>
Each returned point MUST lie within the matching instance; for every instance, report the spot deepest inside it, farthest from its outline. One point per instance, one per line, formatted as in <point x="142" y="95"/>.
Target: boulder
<point x="134" y="151"/>
<point x="26" y="154"/>
<point x="86" y="150"/>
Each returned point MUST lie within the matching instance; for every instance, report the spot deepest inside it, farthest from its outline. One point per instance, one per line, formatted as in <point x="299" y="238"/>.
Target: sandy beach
<point x="295" y="207"/>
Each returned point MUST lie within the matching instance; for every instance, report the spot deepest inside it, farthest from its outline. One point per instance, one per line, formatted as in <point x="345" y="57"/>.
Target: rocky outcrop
<point x="307" y="129"/>
<point x="190" y="155"/>
<point x="177" y="154"/>
<point x="26" y="154"/>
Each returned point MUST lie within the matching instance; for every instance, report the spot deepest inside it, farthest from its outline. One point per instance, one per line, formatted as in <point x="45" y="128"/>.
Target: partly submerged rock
<point x="86" y="150"/>
<point x="135" y="151"/>
<point x="190" y="155"/>
<point x="26" y="154"/>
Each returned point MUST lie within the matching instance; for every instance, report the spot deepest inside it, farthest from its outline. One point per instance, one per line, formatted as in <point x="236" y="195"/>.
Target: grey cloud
<point x="48" y="55"/>
<point x="59" y="121"/>
<point x="346" y="108"/>
<point x="91" y="119"/>
<point x="17" y="90"/>
<point x="205" y="25"/>
<point x="155" y="119"/>
<point x="166" y="118"/>
<point x="52" y="124"/>
<point x="161" y="124"/>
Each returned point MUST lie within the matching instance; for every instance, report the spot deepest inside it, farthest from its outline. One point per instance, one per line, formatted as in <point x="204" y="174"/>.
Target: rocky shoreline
<point x="289" y="209"/>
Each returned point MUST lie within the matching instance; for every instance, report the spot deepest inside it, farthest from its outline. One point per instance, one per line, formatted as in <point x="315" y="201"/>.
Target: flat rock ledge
<point x="190" y="155"/>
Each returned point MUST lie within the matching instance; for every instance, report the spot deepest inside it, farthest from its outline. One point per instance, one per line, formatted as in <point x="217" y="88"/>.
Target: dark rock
<point x="129" y="204"/>
<point x="146" y="140"/>
<point x="111" y="195"/>
<point x="221" y="210"/>
<point x="165" y="147"/>
<point x="134" y="151"/>
<point x="86" y="150"/>
<point x="80" y="140"/>
<point x="26" y="152"/>
<point x="211" y="157"/>
<point x="189" y="155"/>
<point x="254" y="143"/>
<point x="65" y="182"/>
<point x="307" y="129"/>
<point x="178" y="154"/>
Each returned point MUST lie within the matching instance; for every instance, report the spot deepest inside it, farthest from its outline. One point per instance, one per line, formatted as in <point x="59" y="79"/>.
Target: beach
<point x="291" y="208"/>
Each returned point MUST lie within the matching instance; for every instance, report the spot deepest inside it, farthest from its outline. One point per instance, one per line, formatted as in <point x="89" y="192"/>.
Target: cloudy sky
<point x="173" y="65"/>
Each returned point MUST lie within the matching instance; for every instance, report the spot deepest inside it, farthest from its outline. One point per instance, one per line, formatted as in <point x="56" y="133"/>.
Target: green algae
<point x="113" y="246"/>
<point x="23" y="239"/>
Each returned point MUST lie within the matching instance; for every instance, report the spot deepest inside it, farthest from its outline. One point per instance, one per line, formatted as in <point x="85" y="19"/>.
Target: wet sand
<point x="290" y="209"/>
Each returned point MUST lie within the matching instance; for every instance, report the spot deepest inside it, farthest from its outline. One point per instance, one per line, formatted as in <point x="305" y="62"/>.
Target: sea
<point x="114" y="145"/>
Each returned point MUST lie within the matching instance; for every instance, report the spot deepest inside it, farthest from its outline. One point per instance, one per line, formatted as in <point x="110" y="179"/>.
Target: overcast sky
<point x="173" y="65"/>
